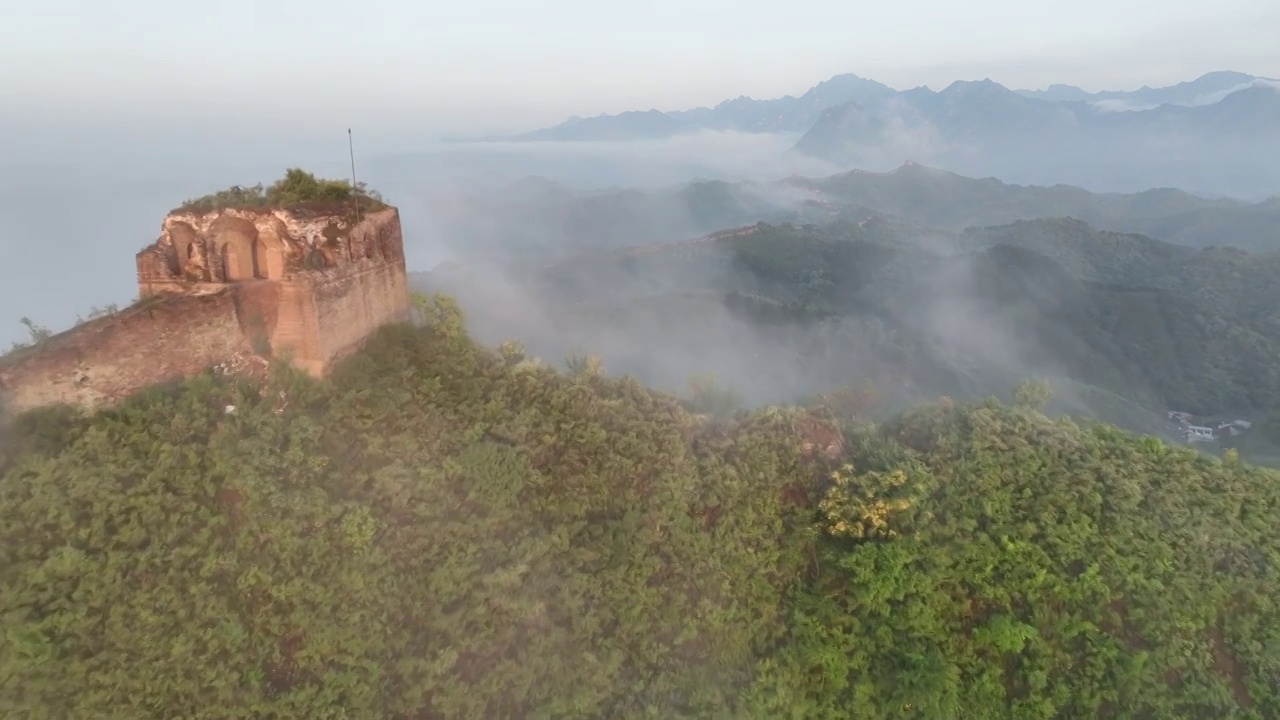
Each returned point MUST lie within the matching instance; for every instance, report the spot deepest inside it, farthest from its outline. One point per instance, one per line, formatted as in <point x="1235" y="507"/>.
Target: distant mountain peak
<point x="734" y="102"/>
<point x="919" y="170"/>
<point x="844" y="77"/>
<point x="985" y="85"/>
<point x="846" y="80"/>
<point x="1057" y="92"/>
<point x="1224" y="75"/>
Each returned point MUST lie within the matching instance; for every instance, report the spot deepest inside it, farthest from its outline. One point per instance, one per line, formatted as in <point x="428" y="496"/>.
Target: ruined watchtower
<point x="306" y="269"/>
<point x="313" y="280"/>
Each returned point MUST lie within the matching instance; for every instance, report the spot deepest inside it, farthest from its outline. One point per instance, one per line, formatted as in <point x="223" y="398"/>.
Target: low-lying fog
<point x="70" y="224"/>
<point x="72" y="215"/>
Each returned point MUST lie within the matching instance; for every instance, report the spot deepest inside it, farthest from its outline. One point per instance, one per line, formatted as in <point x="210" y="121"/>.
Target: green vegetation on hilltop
<point x="298" y="188"/>
<point x="444" y="531"/>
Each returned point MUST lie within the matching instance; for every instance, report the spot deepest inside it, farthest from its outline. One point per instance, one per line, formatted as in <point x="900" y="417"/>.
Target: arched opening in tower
<point x="237" y="257"/>
<point x="183" y="237"/>
<point x="269" y="257"/>
<point x="173" y="262"/>
<point x="184" y="255"/>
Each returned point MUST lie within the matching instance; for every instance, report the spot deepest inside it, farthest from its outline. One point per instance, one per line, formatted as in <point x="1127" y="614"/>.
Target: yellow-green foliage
<point x="862" y="506"/>
<point x="441" y="531"/>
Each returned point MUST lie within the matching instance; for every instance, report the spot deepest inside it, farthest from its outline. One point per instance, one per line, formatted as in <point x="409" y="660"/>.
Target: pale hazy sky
<point x="414" y="66"/>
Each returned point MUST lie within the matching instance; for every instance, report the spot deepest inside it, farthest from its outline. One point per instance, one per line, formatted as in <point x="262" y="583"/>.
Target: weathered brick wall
<point x="103" y="361"/>
<point x="349" y="308"/>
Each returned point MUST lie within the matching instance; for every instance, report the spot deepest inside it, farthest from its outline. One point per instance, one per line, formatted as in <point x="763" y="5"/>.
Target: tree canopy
<point x="444" y="531"/>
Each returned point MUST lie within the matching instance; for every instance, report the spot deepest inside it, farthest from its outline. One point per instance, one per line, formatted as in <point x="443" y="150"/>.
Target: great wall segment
<point x="308" y="281"/>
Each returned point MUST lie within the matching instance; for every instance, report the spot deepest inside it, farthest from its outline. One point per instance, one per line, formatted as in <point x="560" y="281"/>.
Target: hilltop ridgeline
<point x="439" y="530"/>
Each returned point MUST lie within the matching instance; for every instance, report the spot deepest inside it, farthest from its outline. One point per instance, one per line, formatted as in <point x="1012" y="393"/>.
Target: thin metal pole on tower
<point x="355" y="189"/>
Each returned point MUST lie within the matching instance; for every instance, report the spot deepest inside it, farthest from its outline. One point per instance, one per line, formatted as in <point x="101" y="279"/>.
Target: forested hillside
<point x="444" y="531"/>
<point x="540" y="219"/>
<point x="1127" y="326"/>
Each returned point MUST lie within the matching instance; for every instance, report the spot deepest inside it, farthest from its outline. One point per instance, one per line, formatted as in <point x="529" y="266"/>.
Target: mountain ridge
<point x="791" y="113"/>
<point x="554" y="219"/>
<point x="1215" y="134"/>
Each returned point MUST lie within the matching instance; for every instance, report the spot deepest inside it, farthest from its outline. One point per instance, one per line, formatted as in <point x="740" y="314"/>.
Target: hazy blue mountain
<point x="787" y="114"/>
<point x="1218" y="134"/>
<point x="632" y="125"/>
<point x="1254" y="109"/>
<point x="847" y="123"/>
<point x="743" y="114"/>
<point x="946" y="200"/>
<point x="538" y="217"/>
<point x="800" y="114"/>
<point x="1207" y="88"/>
<point x="1058" y="92"/>
<point x="1228" y="147"/>
<point x="987" y="112"/>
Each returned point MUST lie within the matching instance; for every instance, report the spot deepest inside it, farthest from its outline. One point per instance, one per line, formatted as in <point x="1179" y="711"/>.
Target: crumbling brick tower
<point x="310" y="284"/>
